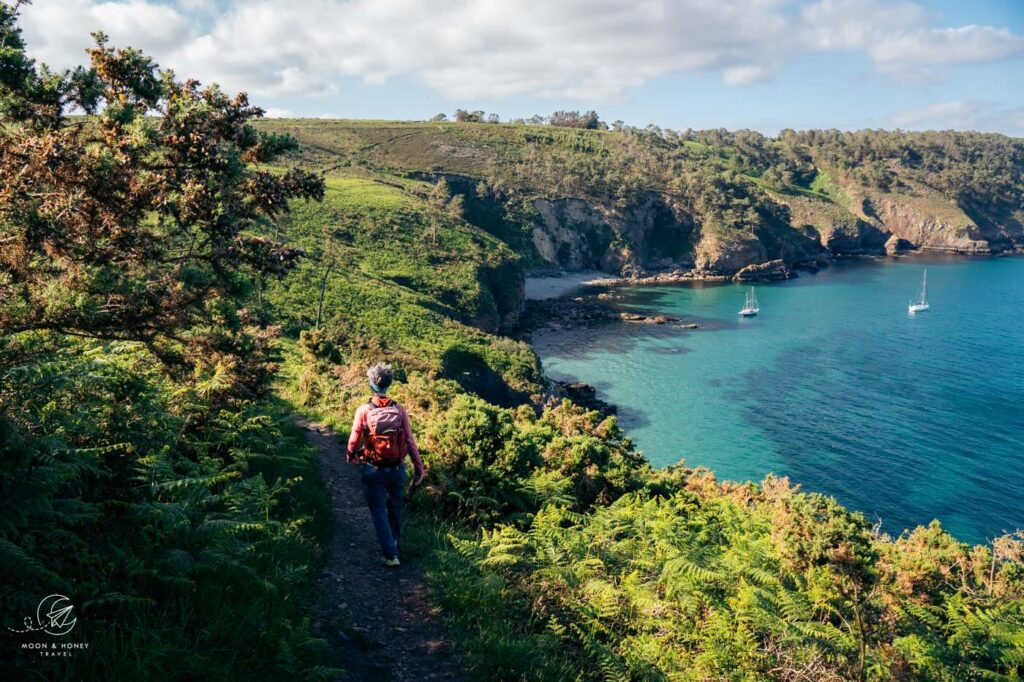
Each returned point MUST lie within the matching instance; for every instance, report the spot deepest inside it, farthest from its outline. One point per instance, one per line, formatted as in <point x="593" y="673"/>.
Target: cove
<point x="904" y="418"/>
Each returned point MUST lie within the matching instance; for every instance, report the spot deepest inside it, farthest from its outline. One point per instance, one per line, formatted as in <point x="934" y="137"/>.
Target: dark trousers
<point x="384" y="488"/>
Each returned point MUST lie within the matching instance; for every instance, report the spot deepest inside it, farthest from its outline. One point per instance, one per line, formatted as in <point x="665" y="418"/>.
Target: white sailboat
<point x="750" y="307"/>
<point x="921" y="304"/>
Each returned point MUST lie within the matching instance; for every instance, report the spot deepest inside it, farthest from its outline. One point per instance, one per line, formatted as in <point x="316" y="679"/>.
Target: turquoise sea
<point x="905" y="418"/>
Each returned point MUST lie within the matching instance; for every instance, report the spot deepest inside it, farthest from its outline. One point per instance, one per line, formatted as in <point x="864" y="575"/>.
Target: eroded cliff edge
<point x="657" y="235"/>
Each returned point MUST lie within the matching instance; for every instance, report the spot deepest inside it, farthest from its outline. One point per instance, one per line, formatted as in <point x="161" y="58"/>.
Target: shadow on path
<point x="377" y="621"/>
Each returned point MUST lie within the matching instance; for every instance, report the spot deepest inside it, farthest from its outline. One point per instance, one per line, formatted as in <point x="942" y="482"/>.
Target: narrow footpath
<point x="377" y="621"/>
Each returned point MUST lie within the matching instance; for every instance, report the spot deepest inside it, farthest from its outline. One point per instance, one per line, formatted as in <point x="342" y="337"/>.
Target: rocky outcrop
<point x="566" y="312"/>
<point x="867" y="220"/>
<point x="929" y="222"/>
<point x="770" y="271"/>
<point x="895" y="245"/>
<point x="581" y="394"/>
<point x="670" y="277"/>
<point x="718" y="256"/>
<point x="837" y="229"/>
<point x="575" y="234"/>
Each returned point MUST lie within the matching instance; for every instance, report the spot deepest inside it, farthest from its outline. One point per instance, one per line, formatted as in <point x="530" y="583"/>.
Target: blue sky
<point x="761" y="64"/>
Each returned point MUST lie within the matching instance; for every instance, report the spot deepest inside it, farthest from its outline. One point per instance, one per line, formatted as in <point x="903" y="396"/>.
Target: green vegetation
<point x="148" y="300"/>
<point x="402" y="278"/>
<point x="185" y="530"/>
<point x="146" y="473"/>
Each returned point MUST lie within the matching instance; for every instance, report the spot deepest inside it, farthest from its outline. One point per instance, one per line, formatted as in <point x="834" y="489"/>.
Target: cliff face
<point x="925" y="225"/>
<point x="845" y="218"/>
<point x="571" y="233"/>
<point x="918" y="216"/>
<point x="655" y="235"/>
<point x="840" y="230"/>
<point x="575" y="234"/>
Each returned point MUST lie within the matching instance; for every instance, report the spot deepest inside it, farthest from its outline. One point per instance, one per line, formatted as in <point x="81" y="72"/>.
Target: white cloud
<point x="895" y="35"/>
<point x="278" y="112"/>
<point x="960" y="114"/>
<point x="856" y="24"/>
<point x="466" y="49"/>
<point x="745" y="75"/>
<point x="952" y="114"/>
<point x="914" y="56"/>
<point x="964" y="45"/>
<point x="207" y="6"/>
<point x="57" y="31"/>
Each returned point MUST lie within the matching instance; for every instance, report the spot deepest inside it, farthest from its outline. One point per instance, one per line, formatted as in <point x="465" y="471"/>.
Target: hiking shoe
<point x="392" y="562"/>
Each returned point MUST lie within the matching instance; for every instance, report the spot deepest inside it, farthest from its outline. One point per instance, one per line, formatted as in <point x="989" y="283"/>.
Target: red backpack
<point x="385" y="434"/>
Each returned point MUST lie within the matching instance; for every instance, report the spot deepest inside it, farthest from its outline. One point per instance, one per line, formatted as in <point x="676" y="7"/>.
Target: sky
<point x="757" y="64"/>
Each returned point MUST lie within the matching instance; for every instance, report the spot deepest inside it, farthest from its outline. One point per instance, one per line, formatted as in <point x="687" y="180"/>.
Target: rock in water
<point x="763" y="272"/>
<point x="583" y="395"/>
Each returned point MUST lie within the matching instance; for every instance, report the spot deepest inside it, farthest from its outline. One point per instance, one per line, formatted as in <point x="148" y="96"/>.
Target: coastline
<point x="871" y="288"/>
<point x="547" y="285"/>
<point x="560" y="301"/>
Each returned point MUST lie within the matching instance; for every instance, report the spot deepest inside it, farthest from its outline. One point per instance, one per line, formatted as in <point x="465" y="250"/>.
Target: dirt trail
<point x="376" y="620"/>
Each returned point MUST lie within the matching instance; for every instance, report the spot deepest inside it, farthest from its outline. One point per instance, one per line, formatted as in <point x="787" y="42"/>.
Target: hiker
<point x="381" y="437"/>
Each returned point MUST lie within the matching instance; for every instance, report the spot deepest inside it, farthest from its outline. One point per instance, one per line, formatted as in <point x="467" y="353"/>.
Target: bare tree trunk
<point x="323" y="290"/>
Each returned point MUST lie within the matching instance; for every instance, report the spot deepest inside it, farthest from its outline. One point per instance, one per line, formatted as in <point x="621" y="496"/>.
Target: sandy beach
<point x="542" y="288"/>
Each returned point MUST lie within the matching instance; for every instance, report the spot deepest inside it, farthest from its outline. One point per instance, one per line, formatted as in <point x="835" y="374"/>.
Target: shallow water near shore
<point x="905" y="418"/>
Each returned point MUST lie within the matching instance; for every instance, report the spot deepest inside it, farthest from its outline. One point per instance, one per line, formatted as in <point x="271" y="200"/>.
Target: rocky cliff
<point x="864" y="220"/>
<point x="656" y="235"/>
<point x="576" y="234"/>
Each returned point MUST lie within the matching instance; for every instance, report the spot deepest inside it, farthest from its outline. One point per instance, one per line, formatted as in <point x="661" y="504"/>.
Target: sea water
<point x="905" y="418"/>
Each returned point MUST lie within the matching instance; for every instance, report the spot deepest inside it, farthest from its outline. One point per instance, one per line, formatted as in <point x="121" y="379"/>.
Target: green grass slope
<point x="405" y="281"/>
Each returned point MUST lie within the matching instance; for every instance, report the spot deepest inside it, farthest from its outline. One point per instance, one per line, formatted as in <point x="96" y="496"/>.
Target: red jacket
<point x="355" y="437"/>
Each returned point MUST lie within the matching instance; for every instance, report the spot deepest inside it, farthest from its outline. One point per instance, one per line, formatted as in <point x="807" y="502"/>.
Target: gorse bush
<point x="143" y="472"/>
<point x="494" y="463"/>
